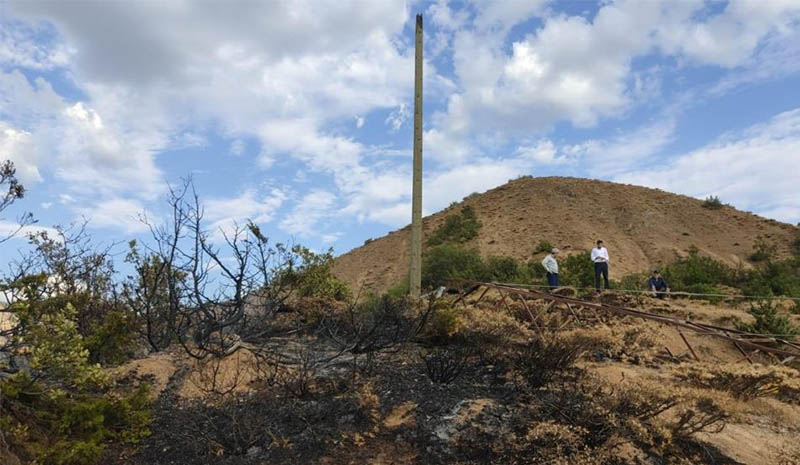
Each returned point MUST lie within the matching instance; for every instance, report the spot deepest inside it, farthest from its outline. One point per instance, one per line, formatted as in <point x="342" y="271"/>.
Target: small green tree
<point x="543" y="247"/>
<point x="313" y="276"/>
<point x="452" y="261"/>
<point x="712" y="202"/>
<point x="763" y="250"/>
<point x="577" y="270"/>
<point x="505" y="270"/>
<point x="65" y="412"/>
<point x="769" y="320"/>
<point x="458" y="229"/>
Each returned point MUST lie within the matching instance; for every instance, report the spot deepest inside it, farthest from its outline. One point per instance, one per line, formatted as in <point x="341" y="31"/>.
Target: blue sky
<point x="297" y="115"/>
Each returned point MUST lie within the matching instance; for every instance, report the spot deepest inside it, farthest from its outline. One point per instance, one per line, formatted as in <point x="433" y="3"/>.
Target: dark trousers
<point x="661" y="292"/>
<point x="552" y="279"/>
<point x="600" y="268"/>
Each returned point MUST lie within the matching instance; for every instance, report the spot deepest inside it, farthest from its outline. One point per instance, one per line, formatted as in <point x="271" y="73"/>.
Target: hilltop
<point x="642" y="227"/>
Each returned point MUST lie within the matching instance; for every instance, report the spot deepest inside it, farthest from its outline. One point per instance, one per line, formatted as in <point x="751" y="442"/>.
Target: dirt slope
<point x="642" y="228"/>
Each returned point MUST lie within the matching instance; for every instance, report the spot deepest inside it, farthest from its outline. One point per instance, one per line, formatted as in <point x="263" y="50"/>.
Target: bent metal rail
<point x="758" y="342"/>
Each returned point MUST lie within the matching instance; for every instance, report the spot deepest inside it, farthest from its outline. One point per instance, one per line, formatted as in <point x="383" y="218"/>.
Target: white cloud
<point x="502" y="14"/>
<point x="542" y="151"/>
<point x="624" y="151"/>
<point x="254" y="70"/>
<point x="304" y="218"/>
<point x="8" y="227"/>
<point x="778" y="58"/>
<point x="729" y="38"/>
<point x="18" y="146"/>
<point x="445" y="17"/>
<point x="290" y="75"/>
<point x="117" y="213"/>
<point x="225" y="213"/>
<point x="75" y="141"/>
<point x="755" y="169"/>
<point x="579" y="70"/>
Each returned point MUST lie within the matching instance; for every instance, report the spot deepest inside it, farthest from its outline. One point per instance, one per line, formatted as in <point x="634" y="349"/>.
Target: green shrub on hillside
<point x="634" y="281"/>
<point x="535" y="272"/>
<point x="796" y="242"/>
<point x="543" y="247"/>
<point x="504" y="270"/>
<point x="74" y="427"/>
<point x="576" y="270"/>
<point x="64" y="412"/>
<point x="712" y="202"/>
<point x="763" y="250"/>
<point x="769" y="320"/>
<point x="313" y="276"/>
<point x="700" y="274"/>
<point x="697" y="271"/>
<point x="447" y="262"/>
<point x="458" y="228"/>
<point x="779" y="277"/>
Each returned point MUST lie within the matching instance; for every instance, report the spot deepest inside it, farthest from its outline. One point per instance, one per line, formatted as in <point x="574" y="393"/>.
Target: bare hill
<point x="642" y="228"/>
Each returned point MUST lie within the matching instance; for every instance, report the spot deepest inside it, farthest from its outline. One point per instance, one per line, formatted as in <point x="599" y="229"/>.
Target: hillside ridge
<point x="643" y="228"/>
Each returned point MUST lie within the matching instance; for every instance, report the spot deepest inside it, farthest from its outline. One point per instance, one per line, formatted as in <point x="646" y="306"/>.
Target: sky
<point x="299" y="115"/>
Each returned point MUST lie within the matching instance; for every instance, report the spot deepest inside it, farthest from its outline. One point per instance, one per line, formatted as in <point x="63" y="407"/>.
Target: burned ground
<point x="605" y="391"/>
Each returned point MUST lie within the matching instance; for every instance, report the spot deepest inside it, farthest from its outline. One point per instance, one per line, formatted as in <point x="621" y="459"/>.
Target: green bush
<point x="504" y="270"/>
<point x="782" y="277"/>
<point x="113" y="340"/>
<point x="458" y="229"/>
<point x="634" y="281"/>
<point x="73" y="427"/>
<point x="712" y="202"/>
<point x="313" y="276"/>
<point x="796" y="242"/>
<point x="398" y="290"/>
<point x="535" y="272"/>
<point x="769" y="320"/>
<point x="452" y="261"/>
<point x="543" y="247"/>
<point x="447" y="262"/>
<point x="577" y="270"/>
<point x="697" y="270"/>
<point x="65" y="411"/>
<point x="763" y="250"/>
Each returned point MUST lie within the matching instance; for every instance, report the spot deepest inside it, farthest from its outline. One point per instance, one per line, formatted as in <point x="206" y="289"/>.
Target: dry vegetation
<point x="480" y="384"/>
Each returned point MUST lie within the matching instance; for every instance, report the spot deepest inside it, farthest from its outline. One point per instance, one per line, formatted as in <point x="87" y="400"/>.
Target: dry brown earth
<point x="642" y="228"/>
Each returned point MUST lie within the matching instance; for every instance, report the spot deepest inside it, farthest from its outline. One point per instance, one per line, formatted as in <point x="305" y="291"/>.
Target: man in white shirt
<point x="551" y="266"/>
<point x="600" y="259"/>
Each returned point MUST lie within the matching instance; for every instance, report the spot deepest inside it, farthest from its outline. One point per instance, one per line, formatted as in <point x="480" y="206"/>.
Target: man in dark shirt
<point x="658" y="285"/>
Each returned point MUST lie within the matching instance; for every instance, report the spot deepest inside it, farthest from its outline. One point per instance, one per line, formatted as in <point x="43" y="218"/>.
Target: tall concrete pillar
<point x="415" y="271"/>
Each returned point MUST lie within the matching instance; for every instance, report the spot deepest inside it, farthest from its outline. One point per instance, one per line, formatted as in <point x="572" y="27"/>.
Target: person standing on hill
<point x="600" y="259"/>
<point x="550" y="264"/>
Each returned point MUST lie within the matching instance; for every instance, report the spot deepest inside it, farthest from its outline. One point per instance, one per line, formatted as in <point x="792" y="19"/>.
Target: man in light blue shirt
<point x="550" y="265"/>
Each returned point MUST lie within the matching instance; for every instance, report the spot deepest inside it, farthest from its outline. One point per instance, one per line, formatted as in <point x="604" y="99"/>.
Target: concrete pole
<point x="415" y="271"/>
